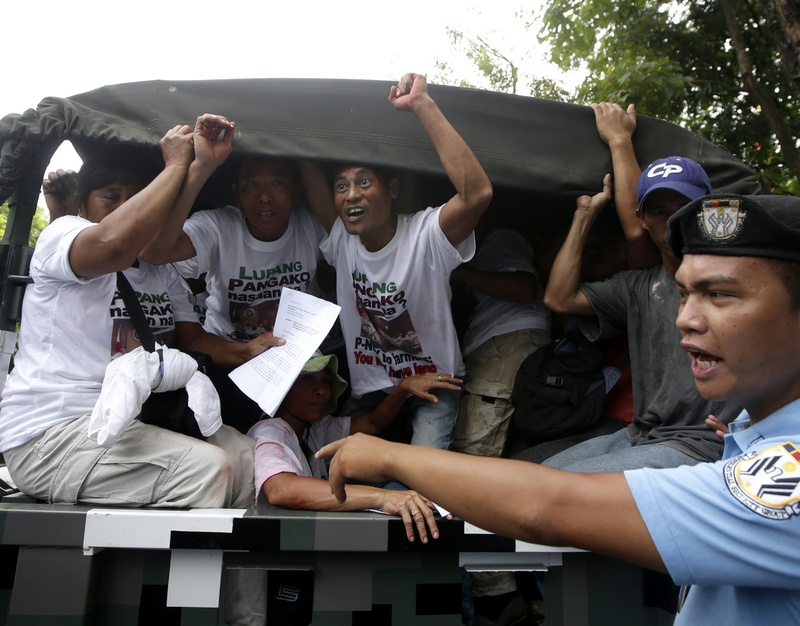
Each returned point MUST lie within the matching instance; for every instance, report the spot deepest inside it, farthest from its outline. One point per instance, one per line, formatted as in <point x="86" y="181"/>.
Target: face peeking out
<point x="364" y="202"/>
<point x="266" y="192"/>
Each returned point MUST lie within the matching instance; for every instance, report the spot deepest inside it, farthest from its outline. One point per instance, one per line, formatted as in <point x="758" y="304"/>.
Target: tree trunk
<point x="791" y="157"/>
<point x="783" y="18"/>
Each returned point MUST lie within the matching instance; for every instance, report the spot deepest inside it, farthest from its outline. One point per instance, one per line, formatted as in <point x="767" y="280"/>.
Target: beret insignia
<point x="720" y="221"/>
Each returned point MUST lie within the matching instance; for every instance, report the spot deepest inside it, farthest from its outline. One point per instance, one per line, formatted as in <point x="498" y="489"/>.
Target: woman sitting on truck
<point x="74" y="322"/>
<point x="289" y="476"/>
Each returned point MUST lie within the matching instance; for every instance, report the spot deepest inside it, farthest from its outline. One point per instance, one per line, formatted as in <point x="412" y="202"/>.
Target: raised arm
<point x="117" y="240"/>
<point x="171" y="244"/>
<point x="473" y="189"/>
<point x="318" y="194"/>
<point x="511" y="498"/>
<point x="562" y="294"/>
<point x="616" y="126"/>
<point x="383" y="415"/>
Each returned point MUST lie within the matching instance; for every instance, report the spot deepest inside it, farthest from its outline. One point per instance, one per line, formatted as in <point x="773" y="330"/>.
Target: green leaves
<point x="40" y="221"/>
<point x="674" y="59"/>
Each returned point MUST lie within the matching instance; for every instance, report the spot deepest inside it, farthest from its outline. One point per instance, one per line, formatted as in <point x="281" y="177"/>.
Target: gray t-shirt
<point x="667" y="408"/>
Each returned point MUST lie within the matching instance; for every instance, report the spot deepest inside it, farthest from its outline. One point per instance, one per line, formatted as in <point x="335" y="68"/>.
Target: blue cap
<point x="680" y="174"/>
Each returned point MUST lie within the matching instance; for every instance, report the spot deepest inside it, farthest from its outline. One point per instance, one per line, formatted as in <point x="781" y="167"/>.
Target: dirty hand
<point x="409" y="92"/>
<point x="176" y="146"/>
<point x="210" y="150"/>
<point x="613" y="122"/>
<point x="416" y="511"/>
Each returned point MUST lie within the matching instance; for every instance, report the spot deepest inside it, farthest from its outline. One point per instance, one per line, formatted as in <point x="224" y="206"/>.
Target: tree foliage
<point x="40" y="221"/>
<point x="681" y="61"/>
<point x="496" y="70"/>
<point x="677" y="61"/>
<point x="783" y="18"/>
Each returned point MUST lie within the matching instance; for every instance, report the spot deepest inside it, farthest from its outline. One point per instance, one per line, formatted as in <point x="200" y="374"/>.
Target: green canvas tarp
<point x="539" y="154"/>
<point x="524" y="143"/>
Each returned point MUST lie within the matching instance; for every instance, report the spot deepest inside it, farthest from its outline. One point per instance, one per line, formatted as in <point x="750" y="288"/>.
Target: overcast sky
<point x="61" y="48"/>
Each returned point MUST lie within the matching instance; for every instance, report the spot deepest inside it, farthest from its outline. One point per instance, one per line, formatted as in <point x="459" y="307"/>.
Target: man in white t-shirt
<point x="393" y="270"/>
<point x="509" y="322"/>
<point x="248" y="254"/>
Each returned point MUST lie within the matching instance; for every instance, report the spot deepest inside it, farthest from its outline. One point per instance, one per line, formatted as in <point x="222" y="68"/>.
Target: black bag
<point x="168" y="409"/>
<point x="560" y="390"/>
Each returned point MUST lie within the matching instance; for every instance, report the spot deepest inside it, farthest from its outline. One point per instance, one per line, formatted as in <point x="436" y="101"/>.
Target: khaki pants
<point x="485" y="411"/>
<point x="148" y="466"/>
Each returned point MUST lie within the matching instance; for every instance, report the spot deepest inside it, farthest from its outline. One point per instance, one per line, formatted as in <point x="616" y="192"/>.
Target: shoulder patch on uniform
<point x="767" y="482"/>
<point x="721" y="221"/>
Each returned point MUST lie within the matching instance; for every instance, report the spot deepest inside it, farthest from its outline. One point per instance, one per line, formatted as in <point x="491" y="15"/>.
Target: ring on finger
<point x="414" y="513"/>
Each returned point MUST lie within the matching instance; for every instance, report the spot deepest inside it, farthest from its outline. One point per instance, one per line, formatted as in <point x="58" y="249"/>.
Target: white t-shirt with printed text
<point x="71" y="328"/>
<point x="395" y="302"/>
<point x="244" y="275"/>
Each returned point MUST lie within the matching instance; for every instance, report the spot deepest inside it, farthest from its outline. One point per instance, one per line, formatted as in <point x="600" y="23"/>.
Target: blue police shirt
<point x="732" y="528"/>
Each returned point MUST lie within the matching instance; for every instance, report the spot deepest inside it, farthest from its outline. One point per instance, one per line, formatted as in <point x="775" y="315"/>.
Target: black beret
<point x="731" y="225"/>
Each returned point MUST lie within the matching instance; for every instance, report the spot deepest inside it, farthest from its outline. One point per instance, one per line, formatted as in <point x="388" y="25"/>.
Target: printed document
<point x="303" y="321"/>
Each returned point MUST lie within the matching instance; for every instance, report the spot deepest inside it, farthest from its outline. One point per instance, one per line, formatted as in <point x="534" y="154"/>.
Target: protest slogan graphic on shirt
<point x="157" y="308"/>
<point x="253" y="296"/>
<point x="388" y="338"/>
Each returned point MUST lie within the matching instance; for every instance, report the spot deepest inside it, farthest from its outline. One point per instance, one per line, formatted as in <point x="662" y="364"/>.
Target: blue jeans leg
<point x="614" y="453"/>
<point x="433" y="423"/>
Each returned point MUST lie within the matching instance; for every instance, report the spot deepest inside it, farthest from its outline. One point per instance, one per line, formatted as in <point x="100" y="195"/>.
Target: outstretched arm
<point x="171" y="244"/>
<point x="512" y="498"/>
<point x="473" y="190"/>
<point x="383" y="415"/>
<point x="616" y="126"/>
<point x="290" y="491"/>
<point x="318" y="194"/>
<point x="562" y="294"/>
<point x="117" y="240"/>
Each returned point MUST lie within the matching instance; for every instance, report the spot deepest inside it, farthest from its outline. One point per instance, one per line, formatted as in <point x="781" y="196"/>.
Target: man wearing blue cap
<point x="730" y="529"/>
<point x="668" y="427"/>
<point x="616" y="127"/>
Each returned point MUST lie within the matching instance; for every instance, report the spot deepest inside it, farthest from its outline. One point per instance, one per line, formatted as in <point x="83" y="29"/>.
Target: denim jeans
<point x="614" y="453"/>
<point x="432" y="423"/>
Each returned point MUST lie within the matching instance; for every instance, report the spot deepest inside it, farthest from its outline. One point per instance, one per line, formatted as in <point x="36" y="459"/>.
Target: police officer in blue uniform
<point x="730" y="529"/>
